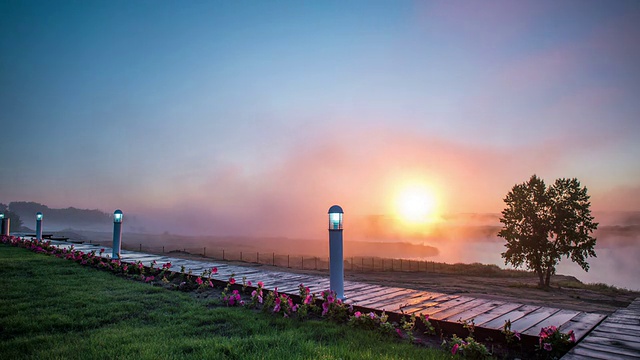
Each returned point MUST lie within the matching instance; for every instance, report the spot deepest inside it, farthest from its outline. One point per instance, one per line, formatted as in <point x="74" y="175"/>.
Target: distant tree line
<point x="26" y="211"/>
<point x="16" y="222"/>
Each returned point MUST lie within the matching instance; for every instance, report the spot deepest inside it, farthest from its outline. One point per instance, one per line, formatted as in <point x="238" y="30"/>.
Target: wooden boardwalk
<point x="617" y="337"/>
<point x="446" y="310"/>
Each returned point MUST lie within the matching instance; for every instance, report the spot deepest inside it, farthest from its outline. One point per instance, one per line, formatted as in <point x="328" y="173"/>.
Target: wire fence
<point x="300" y="262"/>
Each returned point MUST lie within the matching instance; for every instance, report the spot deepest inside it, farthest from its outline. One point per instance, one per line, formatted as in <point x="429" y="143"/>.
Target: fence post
<point x="140" y="247"/>
<point x="400" y="264"/>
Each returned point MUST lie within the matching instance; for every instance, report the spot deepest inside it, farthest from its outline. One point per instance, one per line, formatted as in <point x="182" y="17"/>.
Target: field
<point x="52" y="309"/>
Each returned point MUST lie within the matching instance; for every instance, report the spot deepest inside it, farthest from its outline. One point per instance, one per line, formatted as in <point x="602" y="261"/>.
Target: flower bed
<point x="419" y="330"/>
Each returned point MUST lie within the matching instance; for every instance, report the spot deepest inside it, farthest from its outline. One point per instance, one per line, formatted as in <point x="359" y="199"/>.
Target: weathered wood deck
<point x="448" y="310"/>
<point x="617" y="337"/>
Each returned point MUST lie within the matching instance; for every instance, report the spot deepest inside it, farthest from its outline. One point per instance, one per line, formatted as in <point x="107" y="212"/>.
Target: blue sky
<point x="222" y="111"/>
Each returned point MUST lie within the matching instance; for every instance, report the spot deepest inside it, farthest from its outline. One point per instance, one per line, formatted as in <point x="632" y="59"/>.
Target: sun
<point x="416" y="204"/>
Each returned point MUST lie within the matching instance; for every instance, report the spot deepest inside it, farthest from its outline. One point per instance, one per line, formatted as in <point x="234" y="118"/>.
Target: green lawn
<point x="52" y="309"/>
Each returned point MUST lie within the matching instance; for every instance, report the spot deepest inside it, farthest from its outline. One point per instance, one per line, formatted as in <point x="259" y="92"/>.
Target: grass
<point x="52" y="308"/>
<point x="598" y="287"/>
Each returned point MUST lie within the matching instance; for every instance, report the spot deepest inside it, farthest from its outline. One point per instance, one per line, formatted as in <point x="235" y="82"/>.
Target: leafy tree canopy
<point x="542" y="224"/>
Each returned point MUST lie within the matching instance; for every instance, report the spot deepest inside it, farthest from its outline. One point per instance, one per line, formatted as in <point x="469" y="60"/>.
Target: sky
<point x="254" y="117"/>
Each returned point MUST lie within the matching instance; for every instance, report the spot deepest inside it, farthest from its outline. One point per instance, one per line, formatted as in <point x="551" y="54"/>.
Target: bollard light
<point x="335" y="218"/>
<point x="117" y="234"/>
<point x="336" y="254"/>
<point x="117" y="216"/>
<point x="4" y="225"/>
<point x="39" y="226"/>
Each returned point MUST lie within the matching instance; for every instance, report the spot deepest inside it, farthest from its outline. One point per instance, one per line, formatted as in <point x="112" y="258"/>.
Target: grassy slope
<point x="52" y="308"/>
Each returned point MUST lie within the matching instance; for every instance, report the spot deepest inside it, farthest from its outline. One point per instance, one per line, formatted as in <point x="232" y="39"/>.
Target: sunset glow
<point x="416" y="204"/>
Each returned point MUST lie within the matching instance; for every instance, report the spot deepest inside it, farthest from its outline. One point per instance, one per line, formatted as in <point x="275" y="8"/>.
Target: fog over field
<point x="456" y="238"/>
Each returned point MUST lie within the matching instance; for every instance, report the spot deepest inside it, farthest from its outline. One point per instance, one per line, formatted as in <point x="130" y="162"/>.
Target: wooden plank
<point x="617" y="350"/>
<point x="570" y="356"/>
<point x="498" y="323"/>
<point x="385" y="298"/>
<point x="586" y="353"/>
<point x="476" y="311"/>
<point x="453" y="314"/>
<point x="631" y="345"/>
<point x="420" y="307"/>
<point x="444" y="305"/>
<point x="558" y="319"/>
<point x="532" y="318"/>
<point x="356" y="288"/>
<point x="375" y="293"/>
<point x="391" y="303"/>
<point x="615" y="336"/>
<point x="417" y="300"/>
<point x="623" y="320"/>
<point x="394" y="303"/>
<point x="352" y="293"/>
<point x="620" y="328"/>
<point x="495" y="312"/>
<point x="581" y="324"/>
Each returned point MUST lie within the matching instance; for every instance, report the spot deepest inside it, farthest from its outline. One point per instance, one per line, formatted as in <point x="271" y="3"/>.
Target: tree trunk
<point x="541" y="276"/>
<point x="548" y="277"/>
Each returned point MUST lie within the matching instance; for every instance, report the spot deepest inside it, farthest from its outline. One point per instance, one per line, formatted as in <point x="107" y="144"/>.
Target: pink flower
<point x="357" y="314"/>
<point x="547" y="346"/>
<point x="294" y="308"/>
<point x="517" y="334"/>
<point x="260" y="299"/>
<point x="572" y="335"/>
<point x="101" y="251"/>
<point x="308" y="300"/>
<point x="260" y="284"/>
<point x="167" y="266"/>
<point x="325" y="308"/>
<point x="232" y="281"/>
<point x="210" y="283"/>
<point x="277" y="307"/>
<point x="249" y="283"/>
<point x="330" y="299"/>
<point x="214" y="271"/>
<point x="454" y="349"/>
<point x="254" y="293"/>
<point x="372" y="315"/>
<point x="199" y="281"/>
<point x="125" y="268"/>
<point x="399" y="332"/>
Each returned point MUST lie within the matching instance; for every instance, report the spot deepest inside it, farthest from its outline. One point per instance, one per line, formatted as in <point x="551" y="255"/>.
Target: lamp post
<point x="336" y="255"/>
<point x="38" y="226"/>
<point x="117" y="233"/>
<point x="4" y="229"/>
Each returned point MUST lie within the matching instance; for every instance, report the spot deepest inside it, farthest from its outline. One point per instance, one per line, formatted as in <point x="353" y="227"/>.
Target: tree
<point x="16" y="222"/>
<point x="542" y="224"/>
